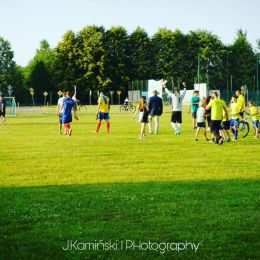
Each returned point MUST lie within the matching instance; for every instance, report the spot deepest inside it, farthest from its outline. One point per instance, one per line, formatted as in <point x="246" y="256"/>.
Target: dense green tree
<point x="116" y="44"/>
<point x="98" y="59"/>
<point x="169" y="48"/>
<point x="205" y="53"/>
<point x="257" y="64"/>
<point x="91" y="59"/>
<point x="66" y="72"/>
<point x="39" y="73"/>
<point x="242" y="62"/>
<point x="19" y="87"/>
<point x="39" y="80"/>
<point x="7" y="65"/>
<point x="46" y="54"/>
<point x="10" y="73"/>
<point x="141" y="62"/>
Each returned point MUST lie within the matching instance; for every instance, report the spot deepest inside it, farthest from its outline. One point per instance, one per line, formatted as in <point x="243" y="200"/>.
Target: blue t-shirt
<point x="68" y="104"/>
<point x="194" y="107"/>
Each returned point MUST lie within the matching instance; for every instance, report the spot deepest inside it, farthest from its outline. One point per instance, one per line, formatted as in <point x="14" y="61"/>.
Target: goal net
<point x="10" y="106"/>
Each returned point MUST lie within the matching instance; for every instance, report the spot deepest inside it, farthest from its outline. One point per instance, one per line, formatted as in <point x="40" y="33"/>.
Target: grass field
<point x="114" y="196"/>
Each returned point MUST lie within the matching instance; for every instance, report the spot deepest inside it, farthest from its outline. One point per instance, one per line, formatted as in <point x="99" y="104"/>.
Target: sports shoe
<point x="195" y="127"/>
<point x="196" y="139"/>
<point x="256" y="137"/>
<point x="95" y="132"/>
<point x="206" y="139"/>
<point x="59" y="132"/>
<point x="220" y="141"/>
<point x="69" y="133"/>
<point x="144" y="136"/>
<point x="228" y="140"/>
<point x="176" y="132"/>
<point x="234" y="139"/>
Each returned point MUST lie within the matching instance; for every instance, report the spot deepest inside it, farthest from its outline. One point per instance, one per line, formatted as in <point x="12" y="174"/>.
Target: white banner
<point x="202" y="88"/>
<point x="154" y="85"/>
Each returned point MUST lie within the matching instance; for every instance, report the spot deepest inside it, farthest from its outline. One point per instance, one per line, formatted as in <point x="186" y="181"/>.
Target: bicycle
<point x="82" y="108"/>
<point x="129" y="107"/>
<point x="243" y="127"/>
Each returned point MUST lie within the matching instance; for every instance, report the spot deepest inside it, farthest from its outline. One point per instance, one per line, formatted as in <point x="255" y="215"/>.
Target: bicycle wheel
<point x="132" y="108"/>
<point x="82" y="108"/>
<point x="122" y="108"/>
<point x="243" y="129"/>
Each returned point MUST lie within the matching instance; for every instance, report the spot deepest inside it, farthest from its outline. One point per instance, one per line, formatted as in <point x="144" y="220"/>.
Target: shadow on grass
<point x="166" y="220"/>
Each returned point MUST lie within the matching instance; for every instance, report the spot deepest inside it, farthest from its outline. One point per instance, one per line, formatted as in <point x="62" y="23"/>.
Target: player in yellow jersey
<point x="217" y="106"/>
<point x="103" y="112"/>
<point x="254" y="116"/>
<point x="241" y="103"/>
<point x="224" y="128"/>
<point x="234" y="121"/>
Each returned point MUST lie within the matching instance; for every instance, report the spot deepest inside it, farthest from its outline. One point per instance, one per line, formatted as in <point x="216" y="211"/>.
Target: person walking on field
<point x="208" y="112"/>
<point x="194" y="100"/>
<point x="234" y="121"/>
<point x="177" y="99"/>
<point x="75" y="100"/>
<point x="217" y="105"/>
<point x="224" y="128"/>
<point x="67" y="106"/>
<point x="201" y="121"/>
<point x="143" y="115"/>
<point x="241" y="103"/>
<point x="254" y="116"/>
<point x="155" y="107"/>
<point x="2" y="109"/>
<point x="103" y="112"/>
<point x="59" y="114"/>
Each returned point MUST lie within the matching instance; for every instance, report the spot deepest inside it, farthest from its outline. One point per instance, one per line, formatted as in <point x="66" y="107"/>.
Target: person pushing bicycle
<point x="126" y="103"/>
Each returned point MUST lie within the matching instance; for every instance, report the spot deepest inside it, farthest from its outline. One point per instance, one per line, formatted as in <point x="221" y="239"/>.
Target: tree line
<point x="107" y="60"/>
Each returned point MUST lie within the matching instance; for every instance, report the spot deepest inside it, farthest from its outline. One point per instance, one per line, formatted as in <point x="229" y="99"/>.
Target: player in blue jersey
<point x="68" y="105"/>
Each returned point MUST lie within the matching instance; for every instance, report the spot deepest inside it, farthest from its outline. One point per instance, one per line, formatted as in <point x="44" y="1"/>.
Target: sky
<point x="24" y="23"/>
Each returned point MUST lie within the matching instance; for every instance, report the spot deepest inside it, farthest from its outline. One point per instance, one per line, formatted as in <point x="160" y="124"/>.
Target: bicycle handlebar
<point x="246" y="112"/>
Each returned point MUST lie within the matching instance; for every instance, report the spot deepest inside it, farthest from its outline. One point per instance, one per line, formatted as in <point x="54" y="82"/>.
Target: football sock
<point x="108" y="126"/>
<point x="174" y="125"/>
<point x="236" y="133"/>
<point x="98" y="126"/>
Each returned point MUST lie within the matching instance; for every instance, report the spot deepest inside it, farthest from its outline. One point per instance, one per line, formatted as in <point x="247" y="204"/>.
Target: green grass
<point x="98" y="187"/>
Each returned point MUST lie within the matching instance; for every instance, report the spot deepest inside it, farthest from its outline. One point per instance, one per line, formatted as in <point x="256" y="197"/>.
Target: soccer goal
<point x="10" y="106"/>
